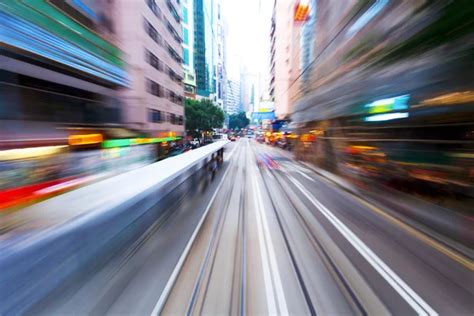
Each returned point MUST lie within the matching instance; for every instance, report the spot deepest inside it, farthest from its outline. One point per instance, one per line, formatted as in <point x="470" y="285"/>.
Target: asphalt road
<point x="270" y="236"/>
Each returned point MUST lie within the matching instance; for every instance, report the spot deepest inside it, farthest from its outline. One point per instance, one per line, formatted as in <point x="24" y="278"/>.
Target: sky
<point x="248" y="40"/>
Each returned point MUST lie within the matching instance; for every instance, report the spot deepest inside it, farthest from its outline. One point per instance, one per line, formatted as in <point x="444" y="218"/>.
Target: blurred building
<point x="209" y="50"/>
<point x="283" y="36"/>
<point x="187" y="22"/>
<point x="220" y="46"/>
<point x="249" y="89"/>
<point x="150" y="34"/>
<point x="233" y="97"/>
<point x="203" y="52"/>
<point x="385" y="39"/>
<point x="59" y="69"/>
<point x="244" y="90"/>
<point x="384" y="91"/>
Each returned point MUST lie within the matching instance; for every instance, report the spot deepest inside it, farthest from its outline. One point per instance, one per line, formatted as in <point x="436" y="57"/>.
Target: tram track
<point x="219" y="221"/>
<point x="275" y="182"/>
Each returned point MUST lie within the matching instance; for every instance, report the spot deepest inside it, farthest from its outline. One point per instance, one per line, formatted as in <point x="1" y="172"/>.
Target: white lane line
<point x="179" y="265"/>
<point x="304" y="175"/>
<point x="289" y="167"/>
<point x="265" y="264"/>
<point x="268" y="257"/>
<point x="304" y="169"/>
<point x="412" y="298"/>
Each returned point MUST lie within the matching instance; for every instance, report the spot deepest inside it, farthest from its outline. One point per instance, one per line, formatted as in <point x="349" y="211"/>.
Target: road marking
<point x="459" y="258"/>
<point x="303" y="168"/>
<point x="446" y="251"/>
<point x="304" y="174"/>
<point x="412" y="298"/>
<point x="294" y="168"/>
<point x="179" y="265"/>
<point x="232" y="152"/>
<point x="268" y="257"/>
<point x="265" y="264"/>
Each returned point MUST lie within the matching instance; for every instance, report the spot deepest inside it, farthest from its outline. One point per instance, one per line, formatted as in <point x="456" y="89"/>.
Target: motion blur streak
<point x="236" y="157"/>
<point x="401" y="287"/>
<point x="465" y="261"/>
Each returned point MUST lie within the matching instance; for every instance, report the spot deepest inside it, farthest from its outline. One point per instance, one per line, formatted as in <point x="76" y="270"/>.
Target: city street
<point x="223" y="157"/>
<point x="270" y="236"/>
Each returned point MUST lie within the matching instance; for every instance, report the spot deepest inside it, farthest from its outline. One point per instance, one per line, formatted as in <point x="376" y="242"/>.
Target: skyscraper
<point x="219" y="46"/>
<point x="187" y="23"/>
<point x="209" y="50"/>
<point x="233" y="97"/>
<point x="203" y="54"/>
<point x="281" y="59"/>
<point x="244" y="91"/>
<point x="151" y="35"/>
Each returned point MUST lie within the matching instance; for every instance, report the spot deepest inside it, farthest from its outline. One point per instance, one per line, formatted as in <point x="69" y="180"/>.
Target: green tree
<point x="238" y="121"/>
<point x="202" y="115"/>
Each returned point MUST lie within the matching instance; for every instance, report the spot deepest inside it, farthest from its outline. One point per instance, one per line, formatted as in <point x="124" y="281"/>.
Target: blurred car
<point x="233" y="138"/>
<point x="195" y="143"/>
<point x="207" y="141"/>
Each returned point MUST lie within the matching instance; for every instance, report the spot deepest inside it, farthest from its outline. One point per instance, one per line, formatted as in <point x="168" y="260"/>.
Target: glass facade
<point x="185" y="36"/>
<point x="184" y="18"/>
<point x="186" y="56"/>
<point x="203" y="50"/>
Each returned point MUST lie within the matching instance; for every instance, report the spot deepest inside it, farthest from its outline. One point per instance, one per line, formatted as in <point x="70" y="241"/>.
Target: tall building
<point x="280" y="56"/>
<point x="233" y="97"/>
<point x="244" y="90"/>
<point x="150" y="34"/>
<point x="187" y="22"/>
<point x="301" y="51"/>
<point x="220" y="62"/>
<point x="58" y="66"/>
<point x="373" y="73"/>
<point x="209" y="50"/>
<point x="252" y="98"/>
<point x="203" y="52"/>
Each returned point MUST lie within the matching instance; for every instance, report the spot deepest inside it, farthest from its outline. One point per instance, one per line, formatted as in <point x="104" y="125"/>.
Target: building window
<point x="189" y="89"/>
<point x="172" y="118"/>
<point x="154" y="61"/>
<point x="153" y="33"/>
<point x="176" y="99"/>
<point x="154" y="116"/>
<point x="174" y="54"/>
<point x="174" y="76"/>
<point x="171" y="96"/>
<point x="185" y="36"/>
<point x="173" y="11"/>
<point x="173" y="32"/>
<point x="186" y="56"/>
<point x="154" y="88"/>
<point x="154" y="8"/>
<point x="185" y="15"/>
